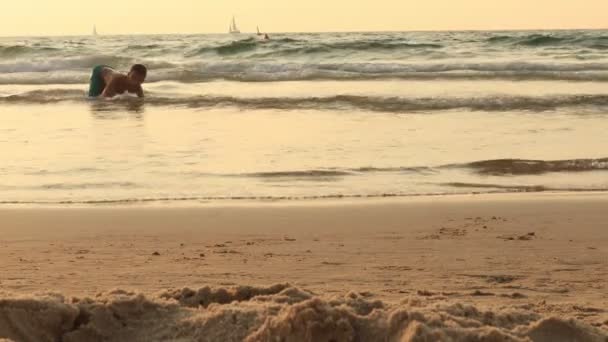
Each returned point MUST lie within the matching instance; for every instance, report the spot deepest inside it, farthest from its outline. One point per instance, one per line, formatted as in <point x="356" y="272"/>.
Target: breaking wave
<point x="337" y="102"/>
<point x="533" y="167"/>
<point x="497" y="167"/>
<point x="554" y="55"/>
<point x="76" y="70"/>
<point x="599" y="42"/>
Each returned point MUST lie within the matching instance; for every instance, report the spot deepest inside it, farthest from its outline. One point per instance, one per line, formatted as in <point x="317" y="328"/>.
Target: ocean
<point x="304" y="116"/>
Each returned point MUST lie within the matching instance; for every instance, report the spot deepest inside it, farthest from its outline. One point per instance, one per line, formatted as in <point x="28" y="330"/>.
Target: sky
<point x="73" y="17"/>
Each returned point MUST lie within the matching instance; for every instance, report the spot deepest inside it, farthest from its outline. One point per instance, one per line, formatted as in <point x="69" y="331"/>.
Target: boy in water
<point x="107" y="82"/>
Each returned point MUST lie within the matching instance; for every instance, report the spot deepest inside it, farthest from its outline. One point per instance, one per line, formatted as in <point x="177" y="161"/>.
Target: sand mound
<point x="276" y="313"/>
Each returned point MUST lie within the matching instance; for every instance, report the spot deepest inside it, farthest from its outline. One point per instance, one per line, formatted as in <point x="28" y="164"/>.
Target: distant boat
<point x="233" y="28"/>
<point x="262" y="36"/>
<point x="95" y="31"/>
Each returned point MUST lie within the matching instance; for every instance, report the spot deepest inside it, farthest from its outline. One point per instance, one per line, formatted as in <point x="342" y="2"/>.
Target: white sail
<point x="233" y="28"/>
<point x="94" y="30"/>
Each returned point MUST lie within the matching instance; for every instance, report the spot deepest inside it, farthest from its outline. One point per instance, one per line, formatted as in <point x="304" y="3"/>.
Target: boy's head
<point x="138" y="73"/>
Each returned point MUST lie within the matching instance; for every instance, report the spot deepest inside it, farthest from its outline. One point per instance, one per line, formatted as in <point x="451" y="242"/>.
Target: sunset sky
<point x="69" y="17"/>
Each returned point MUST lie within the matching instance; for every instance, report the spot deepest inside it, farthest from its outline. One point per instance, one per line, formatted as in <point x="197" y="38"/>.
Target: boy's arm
<point x="110" y="90"/>
<point x="140" y="92"/>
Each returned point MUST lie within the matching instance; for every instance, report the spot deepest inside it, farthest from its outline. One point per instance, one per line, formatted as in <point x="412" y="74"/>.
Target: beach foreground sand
<point x="480" y="267"/>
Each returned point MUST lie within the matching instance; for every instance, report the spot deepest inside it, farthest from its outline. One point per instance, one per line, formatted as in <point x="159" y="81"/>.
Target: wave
<point x="528" y="40"/>
<point x="55" y="54"/>
<point x="515" y="188"/>
<point x="512" y="66"/>
<point x="81" y="76"/>
<point x="299" y="174"/>
<point x="534" y="167"/>
<point x="364" y="45"/>
<point x="212" y="198"/>
<point x="512" y="188"/>
<point x="570" y="40"/>
<point x="496" y="167"/>
<point x="296" y="45"/>
<point x="80" y="186"/>
<point x="236" y="47"/>
<point x="137" y="47"/>
<point x="489" y="189"/>
<point x="63" y="64"/>
<point x="76" y="70"/>
<point x="390" y="104"/>
<point x="338" y="102"/>
<point x="216" y="198"/>
<point x="327" y="45"/>
<point x="73" y="186"/>
<point x="21" y="50"/>
<point x="316" y="173"/>
<point x="285" y="46"/>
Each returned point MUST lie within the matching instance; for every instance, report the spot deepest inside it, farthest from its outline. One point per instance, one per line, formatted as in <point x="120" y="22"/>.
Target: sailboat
<point x="233" y="28"/>
<point x="262" y="36"/>
<point x="95" y="30"/>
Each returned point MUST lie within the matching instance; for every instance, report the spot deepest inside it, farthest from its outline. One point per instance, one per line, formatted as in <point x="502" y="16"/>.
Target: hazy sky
<point x="56" y="17"/>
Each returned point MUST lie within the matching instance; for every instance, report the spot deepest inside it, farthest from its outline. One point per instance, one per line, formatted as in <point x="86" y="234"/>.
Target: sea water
<point x="305" y="116"/>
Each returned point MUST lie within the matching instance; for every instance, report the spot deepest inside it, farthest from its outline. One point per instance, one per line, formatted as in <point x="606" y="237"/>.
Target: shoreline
<point x="300" y="201"/>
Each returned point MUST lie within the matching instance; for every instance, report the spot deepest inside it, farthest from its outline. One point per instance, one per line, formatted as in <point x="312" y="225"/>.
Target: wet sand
<point x="534" y="256"/>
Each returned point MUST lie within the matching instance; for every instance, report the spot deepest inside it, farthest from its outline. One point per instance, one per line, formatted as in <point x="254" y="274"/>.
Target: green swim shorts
<point x="98" y="84"/>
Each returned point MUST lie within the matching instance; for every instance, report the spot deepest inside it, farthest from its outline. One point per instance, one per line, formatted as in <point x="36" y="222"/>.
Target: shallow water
<point x="351" y="115"/>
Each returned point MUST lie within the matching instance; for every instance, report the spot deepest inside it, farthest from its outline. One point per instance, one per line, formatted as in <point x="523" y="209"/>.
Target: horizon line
<point x="304" y="32"/>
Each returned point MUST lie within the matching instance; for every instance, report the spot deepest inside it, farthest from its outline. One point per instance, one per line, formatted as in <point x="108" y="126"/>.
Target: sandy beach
<point x="322" y="171"/>
<point x="499" y="267"/>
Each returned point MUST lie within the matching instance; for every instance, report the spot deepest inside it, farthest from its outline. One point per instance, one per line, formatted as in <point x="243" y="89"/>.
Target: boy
<point x="107" y="82"/>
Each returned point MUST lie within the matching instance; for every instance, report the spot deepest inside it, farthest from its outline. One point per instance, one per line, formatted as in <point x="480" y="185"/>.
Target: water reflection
<point x="115" y="109"/>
